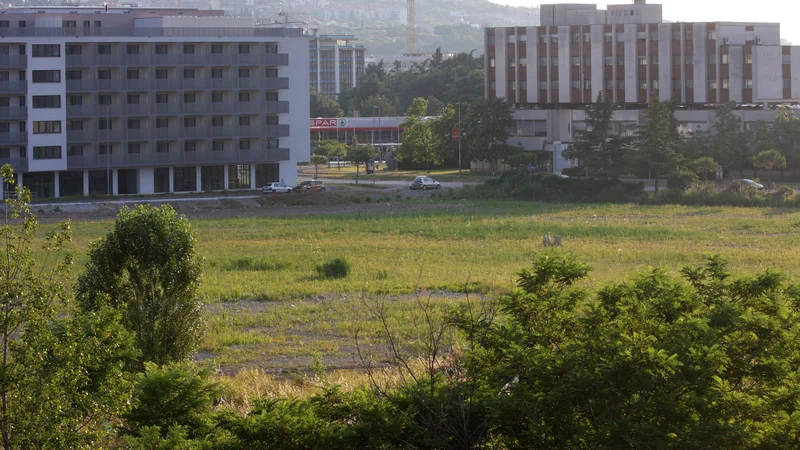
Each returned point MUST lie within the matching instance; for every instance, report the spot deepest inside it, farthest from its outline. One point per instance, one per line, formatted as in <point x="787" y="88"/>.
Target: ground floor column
<point x="20" y="181"/>
<point x="288" y="172"/>
<point x="115" y="182"/>
<point x="225" y="176"/>
<point x="171" y="180"/>
<point x="198" y="177"/>
<point x="85" y="183"/>
<point x="56" y="185"/>
<point x="252" y="176"/>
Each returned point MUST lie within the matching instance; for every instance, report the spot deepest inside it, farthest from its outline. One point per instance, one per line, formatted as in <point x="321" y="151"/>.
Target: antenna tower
<point x="412" y="44"/>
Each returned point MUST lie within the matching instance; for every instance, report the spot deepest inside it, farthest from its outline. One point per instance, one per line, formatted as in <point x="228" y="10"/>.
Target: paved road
<point x="366" y="181"/>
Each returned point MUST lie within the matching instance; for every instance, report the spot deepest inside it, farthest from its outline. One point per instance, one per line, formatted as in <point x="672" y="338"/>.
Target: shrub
<point x="335" y="268"/>
<point x="682" y="181"/>
<point x="382" y="275"/>
<point x="785" y="193"/>
<point x="250" y="264"/>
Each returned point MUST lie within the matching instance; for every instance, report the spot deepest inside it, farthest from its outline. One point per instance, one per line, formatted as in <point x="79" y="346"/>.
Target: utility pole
<point x="460" y="133"/>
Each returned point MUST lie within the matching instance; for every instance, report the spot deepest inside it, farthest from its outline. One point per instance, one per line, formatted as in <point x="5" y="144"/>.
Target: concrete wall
<point x="736" y="79"/>
<point x="49" y="114"/>
<point x="564" y="65"/>
<point x="501" y="80"/>
<point x="700" y="61"/>
<point x="532" y="53"/>
<point x="598" y="65"/>
<point x="631" y="65"/>
<point x="767" y="73"/>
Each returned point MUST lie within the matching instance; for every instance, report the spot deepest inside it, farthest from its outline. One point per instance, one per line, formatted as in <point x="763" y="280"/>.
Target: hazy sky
<point x="787" y="12"/>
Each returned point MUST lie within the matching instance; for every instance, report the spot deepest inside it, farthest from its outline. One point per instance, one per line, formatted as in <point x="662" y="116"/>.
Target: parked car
<point x="310" y="186"/>
<point x="424" y="183"/>
<point x="750" y="183"/>
<point x="276" y="188"/>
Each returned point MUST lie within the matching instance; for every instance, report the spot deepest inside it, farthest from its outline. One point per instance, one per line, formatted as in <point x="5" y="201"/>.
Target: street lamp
<point x="460" y="133"/>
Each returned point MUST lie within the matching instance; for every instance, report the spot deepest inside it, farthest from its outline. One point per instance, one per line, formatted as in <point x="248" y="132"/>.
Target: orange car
<point x="310" y="185"/>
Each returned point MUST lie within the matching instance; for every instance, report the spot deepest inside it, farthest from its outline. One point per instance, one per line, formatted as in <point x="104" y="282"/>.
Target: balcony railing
<point x="275" y="83"/>
<point x="13" y="87"/>
<point x="272" y="131"/>
<point x="276" y="107"/>
<point x="153" y="32"/>
<point x="13" y="138"/>
<point x="138" y="60"/>
<point x="13" y="112"/>
<point x="74" y="136"/>
<point x="108" y="60"/>
<point x="19" y="164"/>
<point x="137" y="109"/>
<point x="80" y="86"/>
<point x="149" y="158"/>
<point x="276" y="59"/>
<point x="166" y="108"/>
<point x="82" y="60"/>
<point x="138" y="134"/>
<point x="141" y="84"/>
<point x="9" y="61"/>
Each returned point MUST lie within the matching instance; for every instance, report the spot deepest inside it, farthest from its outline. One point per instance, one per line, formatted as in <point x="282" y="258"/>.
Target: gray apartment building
<point x="337" y="63"/>
<point x="149" y="100"/>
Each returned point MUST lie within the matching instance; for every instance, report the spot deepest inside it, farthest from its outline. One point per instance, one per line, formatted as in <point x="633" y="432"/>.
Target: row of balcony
<point x="19" y="164"/>
<point x="185" y="84"/>
<point x="196" y="59"/>
<point x="13" y="61"/>
<point x="14" y="138"/>
<point x="13" y="86"/>
<point x="147" y="134"/>
<point x="152" y="158"/>
<point x="201" y="108"/>
<point x="13" y="112"/>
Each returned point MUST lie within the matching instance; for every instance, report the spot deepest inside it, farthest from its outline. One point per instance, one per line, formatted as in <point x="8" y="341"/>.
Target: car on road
<point x="276" y="188"/>
<point x="311" y="186"/>
<point x="750" y="183"/>
<point x="424" y="183"/>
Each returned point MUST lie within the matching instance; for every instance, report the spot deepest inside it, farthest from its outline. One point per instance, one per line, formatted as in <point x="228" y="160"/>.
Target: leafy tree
<point x="596" y="149"/>
<point x="658" y="141"/>
<point x="486" y="124"/>
<point x="316" y="161"/>
<point x="704" y="165"/>
<point x="147" y="267"/>
<point x="729" y="143"/>
<point x="330" y="149"/>
<point x="786" y="130"/>
<point x="361" y="154"/>
<point x="61" y="375"/>
<point x="377" y="106"/>
<point x="522" y="159"/>
<point x="418" y="140"/>
<point x="769" y="160"/>
<point x="323" y="106"/>
<point x="435" y="106"/>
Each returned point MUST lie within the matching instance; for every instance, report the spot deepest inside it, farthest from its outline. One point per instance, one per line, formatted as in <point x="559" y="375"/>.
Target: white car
<point x="276" y="188"/>
<point x="424" y="183"/>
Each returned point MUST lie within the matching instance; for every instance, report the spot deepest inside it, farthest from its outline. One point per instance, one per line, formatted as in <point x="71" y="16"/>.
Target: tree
<point x="377" y="106"/>
<point x="418" y="141"/>
<point x="316" y="161"/>
<point x="323" y="106"/>
<point x="769" y="160"/>
<point x="330" y="149"/>
<point x="658" y="141"/>
<point x="61" y="375"/>
<point x="729" y="142"/>
<point x="435" y="106"/>
<point x="704" y="165"/>
<point x="361" y="154"/>
<point x="486" y="124"/>
<point x="595" y="147"/>
<point x="786" y="130"/>
<point x="147" y="268"/>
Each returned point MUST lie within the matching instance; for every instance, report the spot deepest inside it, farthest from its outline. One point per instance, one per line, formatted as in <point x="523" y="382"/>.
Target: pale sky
<point x="787" y="12"/>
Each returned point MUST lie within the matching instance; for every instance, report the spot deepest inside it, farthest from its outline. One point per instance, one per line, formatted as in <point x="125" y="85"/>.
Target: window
<point x="218" y="146"/>
<point x="46" y="76"/>
<point x="5" y="127"/>
<point x="787" y="83"/>
<point x="689" y="35"/>
<point x="554" y="85"/>
<point x="98" y="24"/>
<point x="22" y="24"/>
<point x="576" y="38"/>
<point x="162" y="97"/>
<point x="73" y="49"/>
<point x="134" y="147"/>
<point x="542" y="61"/>
<point x="620" y="84"/>
<point x="620" y="60"/>
<point x="134" y="124"/>
<point x="4" y="24"/>
<point x="162" y="147"/>
<point x="272" y="49"/>
<point x="724" y="82"/>
<point x="273" y="120"/>
<point x="676" y="35"/>
<point x="74" y="75"/>
<point x="162" y="122"/>
<point x="244" y="145"/>
<point x="103" y="74"/>
<point x="216" y="97"/>
<point x="787" y="59"/>
<point x="74" y="125"/>
<point x="47" y="152"/>
<point x="244" y="96"/>
<point x="244" y="72"/>
<point x="46" y="101"/>
<point x="162" y="73"/>
<point x="712" y="84"/>
<point x="189" y="122"/>
<point x="216" y="72"/>
<point x="133" y="49"/>
<point x="689" y="83"/>
<point x="75" y="150"/>
<point x="608" y="38"/>
<point x="576" y="84"/>
<point x="748" y="58"/>
<point x="244" y="49"/>
<point x="103" y="49"/>
<point x="216" y="49"/>
<point x="642" y="60"/>
<point x="523" y="62"/>
<point x="244" y="121"/>
<point x="554" y="40"/>
<point x="554" y="61"/>
<point x="217" y="121"/>
<point x="87" y="24"/>
<point x="188" y="73"/>
<point x="105" y="124"/>
<point x="104" y="99"/>
<point x="689" y="58"/>
<point x="189" y="97"/>
<point x="271" y="72"/>
<point x="748" y="84"/>
<point x="162" y="49"/>
<point x="188" y="49"/>
<point x="724" y="58"/>
<point x="608" y="60"/>
<point x="676" y="84"/>
<point x="104" y="149"/>
<point x="133" y="74"/>
<point x="133" y="99"/>
<point x="46" y="51"/>
<point x="576" y="60"/>
<point x="47" y="127"/>
<point x="271" y="96"/>
<point x="512" y="64"/>
<point x="190" y="146"/>
<point x="543" y="85"/>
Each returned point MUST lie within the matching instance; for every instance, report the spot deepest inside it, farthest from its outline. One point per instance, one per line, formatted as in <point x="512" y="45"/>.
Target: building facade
<point x="631" y="56"/>
<point x="336" y="64"/>
<point x="144" y="100"/>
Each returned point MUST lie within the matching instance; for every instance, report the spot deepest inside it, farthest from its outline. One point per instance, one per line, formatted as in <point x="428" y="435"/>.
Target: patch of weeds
<point x="57" y="209"/>
<point x="250" y="264"/>
<point x="368" y="199"/>
<point x="398" y="197"/>
<point x="335" y="268"/>
<point x="382" y="275"/>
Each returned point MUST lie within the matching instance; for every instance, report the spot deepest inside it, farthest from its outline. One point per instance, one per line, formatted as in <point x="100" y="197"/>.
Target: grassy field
<point x="268" y="308"/>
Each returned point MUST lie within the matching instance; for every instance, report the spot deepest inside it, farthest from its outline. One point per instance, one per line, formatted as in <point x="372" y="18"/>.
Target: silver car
<point x="424" y="183"/>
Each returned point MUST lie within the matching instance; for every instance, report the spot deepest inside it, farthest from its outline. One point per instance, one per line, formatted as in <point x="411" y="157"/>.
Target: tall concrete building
<point x="630" y="55"/>
<point x="337" y="63"/>
<point x="148" y="100"/>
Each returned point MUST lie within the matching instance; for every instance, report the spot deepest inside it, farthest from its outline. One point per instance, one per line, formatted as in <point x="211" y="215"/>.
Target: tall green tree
<point x="704" y="165"/>
<point x="361" y="154"/>
<point x="147" y="268"/>
<point x="657" y="142"/>
<point x="729" y="142"/>
<point x="769" y="160"/>
<point x="787" y="133"/>
<point x="377" y="106"/>
<point x="486" y="124"/>
<point x="62" y="379"/>
<point x="595" y="147"/>
<point x="419" y="144"/>
<point x="323" y="106"/>
<point x="330" y="149"/>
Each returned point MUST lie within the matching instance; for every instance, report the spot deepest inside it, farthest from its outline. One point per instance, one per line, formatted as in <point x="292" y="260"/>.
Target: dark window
<point x="188" y="73"/>
<point x="134" y="147"/>
<point x="46" y="76"/>
<point x="4" y="24"/>
<point x="244" y="121"/>
<point x="244" y="49"/>
<point x="133" y="49"/>
<point x="162" y="49"/>
<point x="74" y="125"/>
<point x="244" y="145"/>
<point x="271" y="72"/>
<point x="47" y="152"/>
<point x="5" y="101"/>
<point x="162" y="147"/>
<point x="46" y="50"/>
<point x="47" y="127"/>
<point x="133" y="74"/>
<point x="272" y="120"/>
<point x="239" y="176"/>
<point x="162" y="97"/>
<point x="134" y="124"/>
<point x="104" y="74"/>
<point x="185" y="179"/>
<point x="189" y="97"/>
<point x="216" y="97"/>
<point x="133" y="99"/>
<point x="162" y="122"/>
<point x="105" y="124"/>
<point x="104" y="99"/>
<point x="74" y="75"/>
<point x="162" y="74"/>
<point x="104" y="49"/>
<point x="74" y="100"/>
<point x="216" y="49"/>
<point x="73" y="49"/>
<point x="75" y="150"/>
<point x="87" y="24"/>
<point x="272" y="96"/>
<point x="189" y="146"/>
<point x="188" y="49"/>
<point x="218" y="146"/>
<point x="217" y="121"/>
<point x="244" y="73"/>
<point x="244" y="96"/>
<point x="46" y="101"/>
<point x="216" y="73"/>
<point x="189" y="122"/>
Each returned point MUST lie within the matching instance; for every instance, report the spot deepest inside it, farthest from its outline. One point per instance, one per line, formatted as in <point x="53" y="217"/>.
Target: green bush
<point x="335" y="268"/>
<point x="250" y="264"/>
<point x="785" y="192"/>
<point x="682" y="181"/>
<point x="522" y="186"/>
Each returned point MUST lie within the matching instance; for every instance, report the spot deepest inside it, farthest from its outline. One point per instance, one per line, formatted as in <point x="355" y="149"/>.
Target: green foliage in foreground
<point x="335" y="268"/>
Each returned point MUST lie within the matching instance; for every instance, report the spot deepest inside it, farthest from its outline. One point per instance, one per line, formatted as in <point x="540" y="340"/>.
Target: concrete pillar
<point x="171" y="180"/>
<point x="85" y="182"/>
<point x="225" y="176"/>
<point x="199" y="187"/>
<point x="20" y="181"/>
<point x="252" y="176"/>
<point x="114" y="182"/>
<point x="56" y="185"/>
